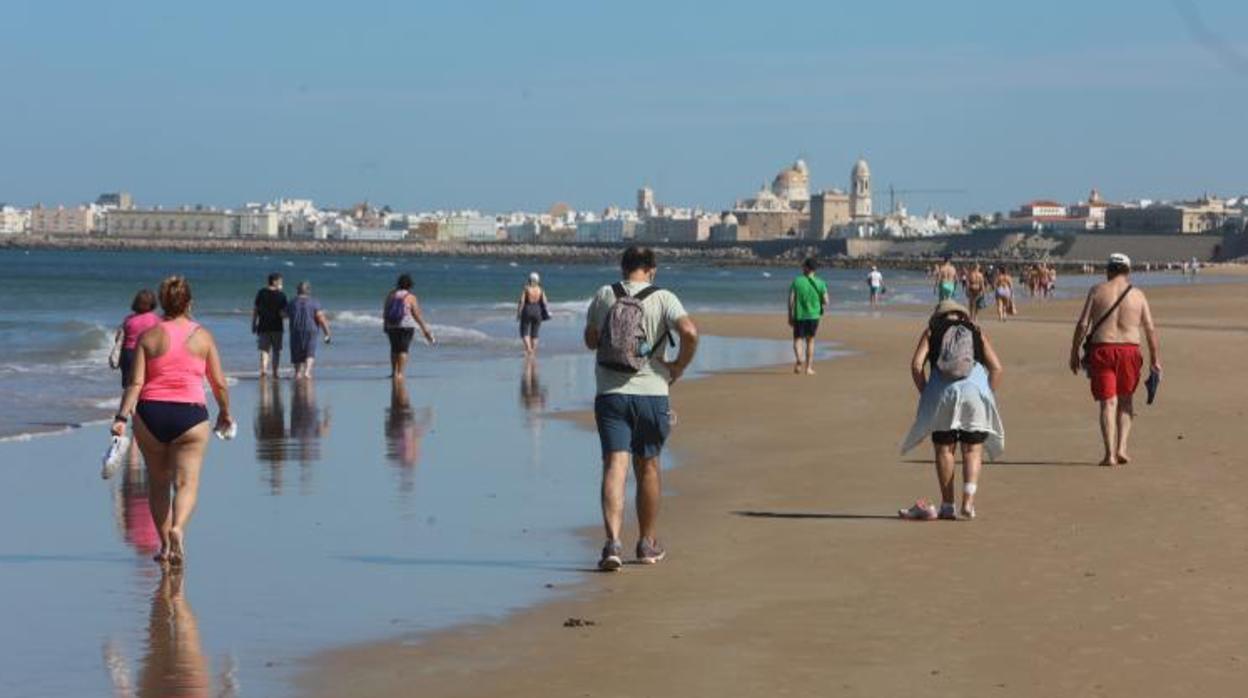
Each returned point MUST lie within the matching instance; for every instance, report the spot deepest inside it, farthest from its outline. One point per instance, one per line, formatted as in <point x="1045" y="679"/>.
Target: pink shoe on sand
<point x="921" y="511"/>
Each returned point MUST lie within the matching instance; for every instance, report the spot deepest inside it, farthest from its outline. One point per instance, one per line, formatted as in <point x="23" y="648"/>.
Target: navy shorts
<point x="638" y="424"/>
<point x="805" y="328"/>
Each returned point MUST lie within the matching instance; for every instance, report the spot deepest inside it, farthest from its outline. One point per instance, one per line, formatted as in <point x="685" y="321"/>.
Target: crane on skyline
<point x="892" y="194"/>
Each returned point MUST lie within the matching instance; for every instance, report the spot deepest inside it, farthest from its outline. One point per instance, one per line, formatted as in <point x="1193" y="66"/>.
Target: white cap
<point x="1120" y="258"/>
<point x="535" y="278"/>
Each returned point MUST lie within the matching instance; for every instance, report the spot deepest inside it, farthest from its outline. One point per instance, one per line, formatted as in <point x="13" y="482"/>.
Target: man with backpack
<point x="401" y="316"/>
<point x="1107" y="345"/>
<point x="630" y="325"/>
<point x="808" y="296"/>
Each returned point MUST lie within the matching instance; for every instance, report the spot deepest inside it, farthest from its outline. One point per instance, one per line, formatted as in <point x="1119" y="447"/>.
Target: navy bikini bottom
<point x="169" y="420"/>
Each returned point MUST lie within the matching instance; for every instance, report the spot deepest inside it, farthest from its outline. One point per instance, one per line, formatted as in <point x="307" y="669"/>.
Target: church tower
<point x="860" y="191"/>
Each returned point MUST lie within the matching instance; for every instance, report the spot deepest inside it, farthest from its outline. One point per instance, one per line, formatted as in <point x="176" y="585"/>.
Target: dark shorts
<point x="638" y="424"/>
<point x="948" y="438"/>
<point x="126" y="363"/>
<point x="169" y="420"/>
<point x="400" y="339"/>
<point x="803" y="329"/>
<point x="269" y="341"/>
<point x="530" y="326"/>
<point x="302" y="347"/>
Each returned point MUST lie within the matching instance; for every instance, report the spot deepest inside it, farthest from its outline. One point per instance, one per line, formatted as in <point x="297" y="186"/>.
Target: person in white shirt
<point x="875" y="283"/>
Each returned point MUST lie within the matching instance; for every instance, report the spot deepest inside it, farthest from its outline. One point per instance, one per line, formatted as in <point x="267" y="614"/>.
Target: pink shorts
<point x="1114" y="370"/>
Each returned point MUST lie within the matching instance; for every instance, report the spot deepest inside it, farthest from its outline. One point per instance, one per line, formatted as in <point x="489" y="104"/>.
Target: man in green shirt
<point x="808" y="296"/>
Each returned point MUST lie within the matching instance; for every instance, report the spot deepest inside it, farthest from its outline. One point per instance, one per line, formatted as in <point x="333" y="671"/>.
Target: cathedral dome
<point x="728" y="219"/>
<point x="861" y="169"/>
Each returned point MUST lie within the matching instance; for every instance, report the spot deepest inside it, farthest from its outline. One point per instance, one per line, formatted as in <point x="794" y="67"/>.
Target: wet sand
<point x="789" y="574"/>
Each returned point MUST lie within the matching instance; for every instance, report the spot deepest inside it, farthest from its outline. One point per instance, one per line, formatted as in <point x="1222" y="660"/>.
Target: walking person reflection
<point x="138" y="529"/>
<point x="404" y="430"/>
<point x="270" y="431"/>
<point x="175" y="663"/>
<point x="308" y="424"/>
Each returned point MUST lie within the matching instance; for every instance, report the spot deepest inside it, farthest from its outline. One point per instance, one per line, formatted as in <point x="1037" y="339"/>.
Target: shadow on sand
<point x="1051" y="463"/>
<point x="809" y="515"/>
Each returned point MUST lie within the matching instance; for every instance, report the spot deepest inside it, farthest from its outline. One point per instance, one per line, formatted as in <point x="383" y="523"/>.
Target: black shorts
<point x="400" y="338"/>
<point x="949" y="438"/>
<point x="126" y="363"/>
<point x="803" y="329"/>
<point x="530" y="327"/>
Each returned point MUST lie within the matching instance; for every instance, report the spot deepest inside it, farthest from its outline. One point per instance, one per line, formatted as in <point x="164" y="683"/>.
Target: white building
<point x="255" y="223"/>
<point x="14" y="221"/>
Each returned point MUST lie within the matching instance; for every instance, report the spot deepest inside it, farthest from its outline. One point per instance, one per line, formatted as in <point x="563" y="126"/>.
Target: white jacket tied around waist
<point x="965" y="405"/>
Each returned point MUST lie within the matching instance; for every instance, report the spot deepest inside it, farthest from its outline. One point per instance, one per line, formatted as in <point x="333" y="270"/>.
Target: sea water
<point x="348" y="508"/>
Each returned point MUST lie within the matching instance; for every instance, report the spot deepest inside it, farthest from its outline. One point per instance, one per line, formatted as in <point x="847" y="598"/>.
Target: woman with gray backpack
<point x="956" y="373"/>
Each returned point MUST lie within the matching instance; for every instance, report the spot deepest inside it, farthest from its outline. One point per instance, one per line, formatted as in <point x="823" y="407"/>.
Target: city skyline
<point x="498" y="108"/>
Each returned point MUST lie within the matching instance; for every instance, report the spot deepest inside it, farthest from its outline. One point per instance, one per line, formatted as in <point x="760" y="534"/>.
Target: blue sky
<point x="505" y="105"/>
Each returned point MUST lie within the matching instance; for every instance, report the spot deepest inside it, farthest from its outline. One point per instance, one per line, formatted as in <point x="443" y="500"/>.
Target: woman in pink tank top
<point x="142" y="318"/>
<point x="166" y="397"/>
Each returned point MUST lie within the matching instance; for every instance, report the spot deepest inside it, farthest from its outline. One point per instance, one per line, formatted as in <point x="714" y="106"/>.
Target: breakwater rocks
<point x="993" y="247"/>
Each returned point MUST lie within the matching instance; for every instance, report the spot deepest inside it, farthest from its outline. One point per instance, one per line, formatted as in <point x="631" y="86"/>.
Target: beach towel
<point x="966" y="405"/>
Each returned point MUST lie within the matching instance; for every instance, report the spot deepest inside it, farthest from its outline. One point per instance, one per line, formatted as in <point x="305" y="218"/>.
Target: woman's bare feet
<point x="1123" y="458"/>
<point x="177" y="554"/>
<point x="810" y="371"/>
<point x="797" y="368"/>
<point x="162" y="556"/>
<point x="1109" y="461"/>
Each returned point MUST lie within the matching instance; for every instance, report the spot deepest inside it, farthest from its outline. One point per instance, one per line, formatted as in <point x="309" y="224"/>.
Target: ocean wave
<point x="87" y="347"/>
<point x="446" y="334"/>
<point x="355" y="318"/>
<point x="560" y="308"/>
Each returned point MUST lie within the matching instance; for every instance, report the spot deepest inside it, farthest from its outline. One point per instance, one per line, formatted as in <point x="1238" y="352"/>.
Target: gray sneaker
<point x="612" y="556"/>
<point x="649" y="551"/>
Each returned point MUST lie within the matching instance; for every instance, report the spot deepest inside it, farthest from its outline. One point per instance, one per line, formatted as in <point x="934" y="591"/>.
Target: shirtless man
<point x="1113" y="358"/>
<point x="975" y="286"/>
<point x="946" y="280"/>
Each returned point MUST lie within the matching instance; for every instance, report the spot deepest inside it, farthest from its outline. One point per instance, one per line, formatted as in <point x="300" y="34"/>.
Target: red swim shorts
<point x="1114" y="370"/>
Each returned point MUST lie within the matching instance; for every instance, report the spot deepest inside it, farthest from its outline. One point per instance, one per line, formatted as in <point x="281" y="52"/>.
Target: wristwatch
<point x="119" y="418"/>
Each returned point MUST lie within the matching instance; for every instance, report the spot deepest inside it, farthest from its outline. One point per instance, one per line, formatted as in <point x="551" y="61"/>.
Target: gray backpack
<point x="622" y="343"/>
<point x="957" y="352"/>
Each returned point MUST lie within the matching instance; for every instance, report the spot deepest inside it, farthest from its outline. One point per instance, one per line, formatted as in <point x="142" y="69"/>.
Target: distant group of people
<point x="630" y="325"/>
<point x="306" y="319"/>
<point x="993" y="285"/>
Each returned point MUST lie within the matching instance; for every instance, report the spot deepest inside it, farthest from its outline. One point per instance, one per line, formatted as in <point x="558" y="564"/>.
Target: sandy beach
<point x="789" y="574"/>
